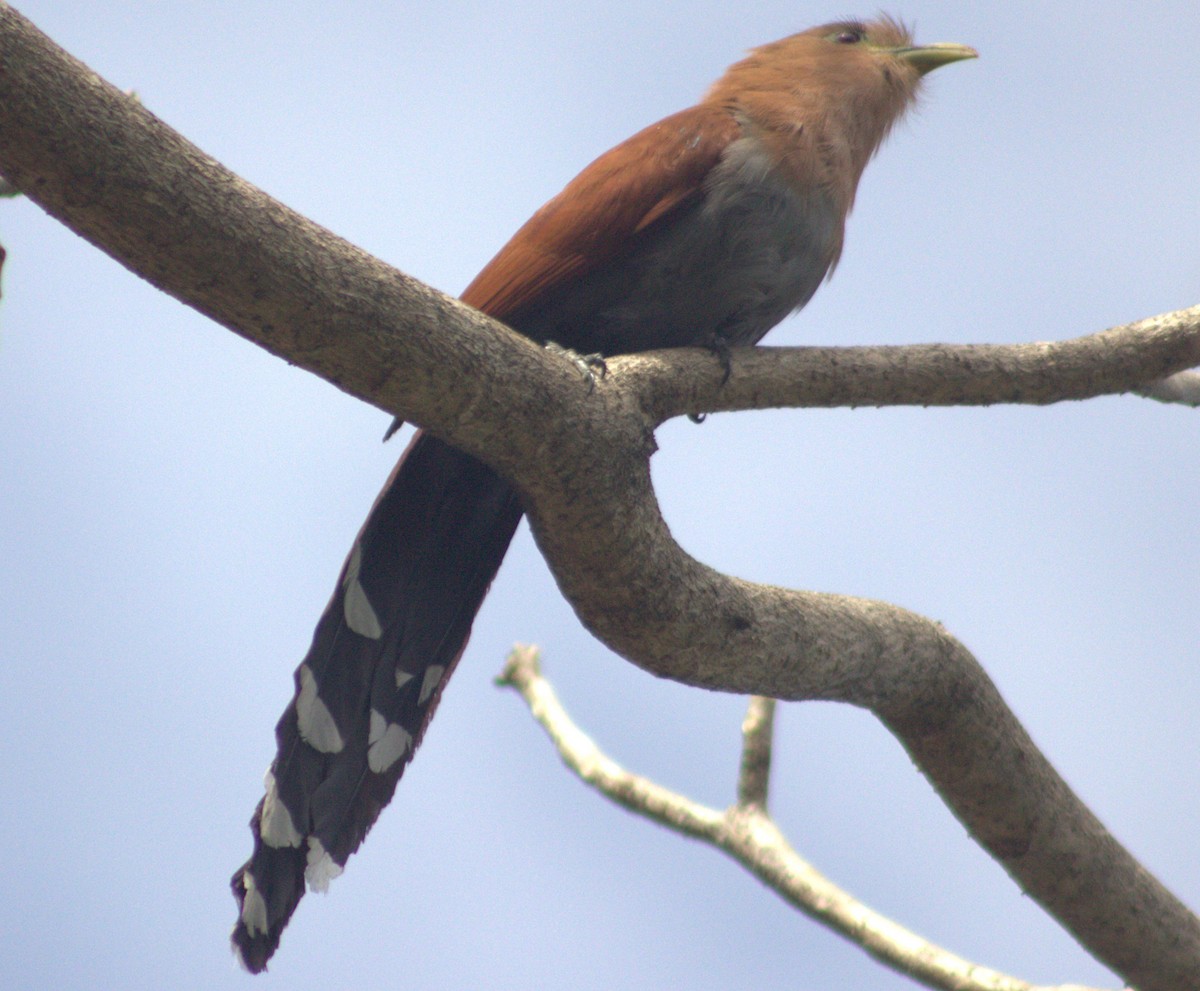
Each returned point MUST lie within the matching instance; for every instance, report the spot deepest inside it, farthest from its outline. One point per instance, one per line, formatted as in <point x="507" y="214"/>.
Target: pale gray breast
<point x="731" y="265"/>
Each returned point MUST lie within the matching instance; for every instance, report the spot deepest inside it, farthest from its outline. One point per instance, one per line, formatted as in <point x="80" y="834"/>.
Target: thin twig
<point x="751" y="838"/>
<point x="593" y="767"/>
<point x="754" y="775"/>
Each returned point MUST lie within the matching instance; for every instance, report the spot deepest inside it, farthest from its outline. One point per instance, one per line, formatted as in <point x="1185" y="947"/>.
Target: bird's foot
<point x="590" y="366"/>
<point x="718" y="344"/>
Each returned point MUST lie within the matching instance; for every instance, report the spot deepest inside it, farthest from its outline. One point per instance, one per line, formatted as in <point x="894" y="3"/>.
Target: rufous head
<point x="826" y="98"/>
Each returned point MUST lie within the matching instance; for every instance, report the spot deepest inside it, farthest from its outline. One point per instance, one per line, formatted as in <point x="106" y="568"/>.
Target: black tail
<point x="382" y="652"/>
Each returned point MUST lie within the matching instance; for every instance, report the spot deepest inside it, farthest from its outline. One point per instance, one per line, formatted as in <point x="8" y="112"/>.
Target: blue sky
<point x="175" y="505"/>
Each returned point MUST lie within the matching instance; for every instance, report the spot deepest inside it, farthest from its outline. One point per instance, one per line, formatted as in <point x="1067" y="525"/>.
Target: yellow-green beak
<point x="926" y="58"/>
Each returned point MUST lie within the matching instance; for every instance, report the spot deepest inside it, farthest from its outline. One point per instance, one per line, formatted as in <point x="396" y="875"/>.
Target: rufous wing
<point x="602" y="211"/>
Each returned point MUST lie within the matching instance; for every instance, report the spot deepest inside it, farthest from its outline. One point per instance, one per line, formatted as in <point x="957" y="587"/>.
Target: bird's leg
<point x="718" y="344"/>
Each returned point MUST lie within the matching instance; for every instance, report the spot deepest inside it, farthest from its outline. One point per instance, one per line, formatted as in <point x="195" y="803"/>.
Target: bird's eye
<point x="849" y="36"/>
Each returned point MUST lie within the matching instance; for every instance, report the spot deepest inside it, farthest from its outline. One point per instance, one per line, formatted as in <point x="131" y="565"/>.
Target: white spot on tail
<point x="402" y="678"/>
<point x="432" y="676"/>
<point x="254" y="908"/>
<point x="321" y="868"/>
<point x="275" y="824"/>
<point x="317" y="727"/>
<point x="387" y="743"/>
<point x="356" y="607"/>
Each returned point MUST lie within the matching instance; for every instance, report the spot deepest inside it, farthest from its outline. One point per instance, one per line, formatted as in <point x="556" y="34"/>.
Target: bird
<point x="704" y="229"/>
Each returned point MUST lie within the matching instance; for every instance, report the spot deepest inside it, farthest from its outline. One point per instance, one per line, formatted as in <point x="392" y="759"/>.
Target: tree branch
<point x="100" y="162"/>
<point x="754" y="775"/>
<point x="96" y="159"/>
<point x="1121" y="359"/>
<point x="748" y="834"/>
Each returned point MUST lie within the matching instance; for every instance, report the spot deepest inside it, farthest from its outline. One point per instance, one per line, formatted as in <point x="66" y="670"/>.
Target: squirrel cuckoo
<point x="706" y="228"/>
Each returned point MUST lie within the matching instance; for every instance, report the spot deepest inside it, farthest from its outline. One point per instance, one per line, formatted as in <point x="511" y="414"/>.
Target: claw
<point x="718" y="344"/>
<point x="590" y="366"/>
<point x="396" y="425"/>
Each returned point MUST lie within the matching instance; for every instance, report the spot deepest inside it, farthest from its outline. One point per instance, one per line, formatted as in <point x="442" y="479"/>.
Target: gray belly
<point x="728" y="266"/>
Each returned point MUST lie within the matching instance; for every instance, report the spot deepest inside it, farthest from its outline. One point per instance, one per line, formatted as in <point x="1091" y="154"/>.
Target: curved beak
<point x="926" y="58"/>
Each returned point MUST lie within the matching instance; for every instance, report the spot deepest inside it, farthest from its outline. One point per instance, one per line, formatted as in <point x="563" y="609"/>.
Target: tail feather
<point x="381" y="655"/>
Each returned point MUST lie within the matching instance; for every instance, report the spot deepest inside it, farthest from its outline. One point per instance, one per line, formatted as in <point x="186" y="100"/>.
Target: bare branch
<point x="1121" y="359"/>
<point x="754" y="776"/>
<point x="99" y="161"/>
<point x="592" y="766"/>
<point x="682" y="620"/>
<point x="747" y="834"/>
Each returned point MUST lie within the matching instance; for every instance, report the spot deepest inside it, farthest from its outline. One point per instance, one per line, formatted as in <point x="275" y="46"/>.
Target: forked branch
<point x="746" y="832"/>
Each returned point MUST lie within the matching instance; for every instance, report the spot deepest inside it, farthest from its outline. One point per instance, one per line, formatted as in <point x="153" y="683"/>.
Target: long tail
<point x="383" y="651"/>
